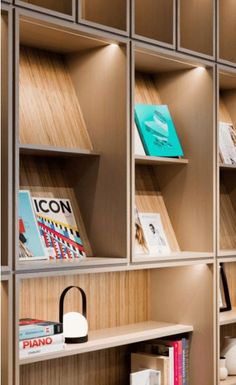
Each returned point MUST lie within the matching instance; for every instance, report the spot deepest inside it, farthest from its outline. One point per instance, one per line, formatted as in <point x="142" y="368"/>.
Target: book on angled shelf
<point x="154" y="233"/>
<point x="58" y="228"/>
<point x="140" y="361"/>
<point x="147" y="377"/>
<point x="227" y="143"/>
<point x="32" y="328"/>
<point x="138" y="145"/>
<point x="157" y="130"/>
<point x="30" y="244"/>
<point x="41" y="345"/>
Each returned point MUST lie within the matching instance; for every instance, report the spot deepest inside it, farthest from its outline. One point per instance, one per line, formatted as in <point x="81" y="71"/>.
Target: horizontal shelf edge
<point x="228" y="317"/>
<point x="28" y="149"/>
<point x="228" y="166"/>
<point x="113" y="337"/>
<point x="139" y="159"/>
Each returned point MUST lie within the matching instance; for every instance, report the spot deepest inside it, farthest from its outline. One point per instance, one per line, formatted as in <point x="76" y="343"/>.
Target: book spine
<point x="184" y="360"/>
<point x="176" y="361"/>
<point x="180" y="362"/>
<point x="187" y="362"/>
<point x="42" y="350"/>
<point x="171" y="362"/>
<point x="36" y="343"/>
<point x="36" y="331"/>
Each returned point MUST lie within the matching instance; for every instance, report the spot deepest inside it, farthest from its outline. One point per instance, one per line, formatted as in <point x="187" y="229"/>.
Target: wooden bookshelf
<point x="36" y="150"/>
<point x="153" y="160"/>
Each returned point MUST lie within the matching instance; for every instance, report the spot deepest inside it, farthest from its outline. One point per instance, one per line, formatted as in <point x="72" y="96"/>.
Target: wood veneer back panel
<point x="227" y="30"/>
<point x="113" y="299"/>
<point x="111" y="14"/>
<point x="230" y="270"/>
<point x="196" y="25"/>
<point x="50" y="113"/>
<point x="48" y="177"/>
<point x="96" y="368"/>
<point x="155" y="19"/>
<point x="63" y="6"/>
<point x="227" y="211"/>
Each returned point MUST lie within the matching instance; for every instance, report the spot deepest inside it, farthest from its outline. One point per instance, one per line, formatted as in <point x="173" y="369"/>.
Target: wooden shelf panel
<point x="228" y="166"/>
<point x="175" y="256"/>
<point x="63" y="8"/>
<point x="152" y="160"/>
<point x="230" y="380"/>
<point x="30" y="149"/>
<point x="228" y="317"/>
<point x="111" y="337"/>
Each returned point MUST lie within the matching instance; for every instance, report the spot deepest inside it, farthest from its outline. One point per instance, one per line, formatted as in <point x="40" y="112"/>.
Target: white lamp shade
<point x="75" y="325"/>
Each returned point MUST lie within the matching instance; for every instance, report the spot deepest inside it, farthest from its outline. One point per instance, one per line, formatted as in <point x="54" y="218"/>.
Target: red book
<point x="29" y="321"/>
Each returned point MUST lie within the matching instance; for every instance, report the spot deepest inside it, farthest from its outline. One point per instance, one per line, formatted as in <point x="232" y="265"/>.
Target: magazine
<point x="58" y="229"/>
<point x="227" y="143"/>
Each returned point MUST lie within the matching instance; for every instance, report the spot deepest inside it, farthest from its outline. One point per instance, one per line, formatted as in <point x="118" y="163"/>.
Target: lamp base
<point x="76" y="340"/>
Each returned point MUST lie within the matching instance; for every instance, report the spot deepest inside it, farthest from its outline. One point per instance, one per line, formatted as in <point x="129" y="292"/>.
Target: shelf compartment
<point x="112" y="337"/>
<point x="228" y="317"/>
<point x="58" y="8"/>
<point x="6" y="136"/>
<point x="159" y="79"/>
<point x="196" y="27"/>
<point x="226" y="31"/>
<point x="153" y="160"/>
<point x="157" y="29"/>
<point x="104" y="14"/>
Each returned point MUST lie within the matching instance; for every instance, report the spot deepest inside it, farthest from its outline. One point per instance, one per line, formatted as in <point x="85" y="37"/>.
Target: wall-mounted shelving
<point x="149" y="21"/>
<point x="98" y="13"/>
<point x="161" y="79"/>
<point x="58" y="8"/>
<point x="196" y="33"/>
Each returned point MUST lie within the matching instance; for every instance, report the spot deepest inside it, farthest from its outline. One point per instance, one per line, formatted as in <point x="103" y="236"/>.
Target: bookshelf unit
<point x="196" y="28"/>
<point x="72" y="71"/>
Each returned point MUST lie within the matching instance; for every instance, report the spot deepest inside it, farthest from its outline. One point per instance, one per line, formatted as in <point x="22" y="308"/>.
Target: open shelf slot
<point x="62" y="74"/>
<point x="6" y="332"/>
<point x="171" y="189"/>
<point x="61" y="8"/>
<point x="109" y="15"/>
<point x="150" y="20"/>
<point x="6" y="136"/>
<point x="227" y="113"/>
<point x="129" y="309"/>
<point x="226" y="30"/>
<point x="196" y="26"/>
<point x="228" y="318"/>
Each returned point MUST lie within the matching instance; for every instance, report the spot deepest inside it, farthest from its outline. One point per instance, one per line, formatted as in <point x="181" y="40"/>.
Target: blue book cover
<point x="157" y="130"/>
<point x="30" y="244"/>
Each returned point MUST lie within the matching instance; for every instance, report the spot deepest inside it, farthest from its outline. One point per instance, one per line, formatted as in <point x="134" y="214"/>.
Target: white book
<point x="42" y="350"/>
<point x="146" y="377"/>
<point x="227" y="142"/>
<point x="138" y="145"/>
<point x="154" y="233"/>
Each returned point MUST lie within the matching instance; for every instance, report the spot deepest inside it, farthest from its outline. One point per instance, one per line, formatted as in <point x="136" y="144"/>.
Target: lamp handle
<point x="62" y="297"/>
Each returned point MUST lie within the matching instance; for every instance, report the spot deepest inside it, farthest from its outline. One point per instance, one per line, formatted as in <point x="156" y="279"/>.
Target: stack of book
<point x="38" y="337"/>
<point x="168" y="356"/>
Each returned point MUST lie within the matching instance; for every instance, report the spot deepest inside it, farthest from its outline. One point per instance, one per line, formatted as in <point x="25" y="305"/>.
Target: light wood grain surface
<point x="227" y="30"/>
<point x="50" y="113"/>
<point x="63" y="6"/>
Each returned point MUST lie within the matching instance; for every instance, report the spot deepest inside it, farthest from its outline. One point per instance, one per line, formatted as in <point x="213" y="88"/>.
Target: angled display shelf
<point x="227" y="173"/>
<point x="171" y="188"/>
<point x="196" y="28"/>
<point x="59" y="8"/>
<point x="61" y="73"/>
<point x="113" y="16"/>
<point x="149" y="21"/>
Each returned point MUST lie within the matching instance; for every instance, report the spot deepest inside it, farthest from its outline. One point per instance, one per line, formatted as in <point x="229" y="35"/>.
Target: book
<point x="29" y="329"/>
<point x="145" y="377"/>
<point x="58" y="228"/>
<point x="227" y="143"/>
<point x="30" y="244"/>
<point x="154" y="233"/>
<point x="140" y="361"/>
<point x="157" y="130"/>
<point x="41" y="345"/>
<point x="141" y="246"/>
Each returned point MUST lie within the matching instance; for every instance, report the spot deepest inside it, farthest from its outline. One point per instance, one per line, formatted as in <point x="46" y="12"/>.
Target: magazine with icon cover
<point x="227" y="143"/>
<point x="58" y="228"/>
<point x="157" y="130"/>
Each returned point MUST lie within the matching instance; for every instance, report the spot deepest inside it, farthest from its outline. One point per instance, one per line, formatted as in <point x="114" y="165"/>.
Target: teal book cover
<point x="157" y="130"/>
